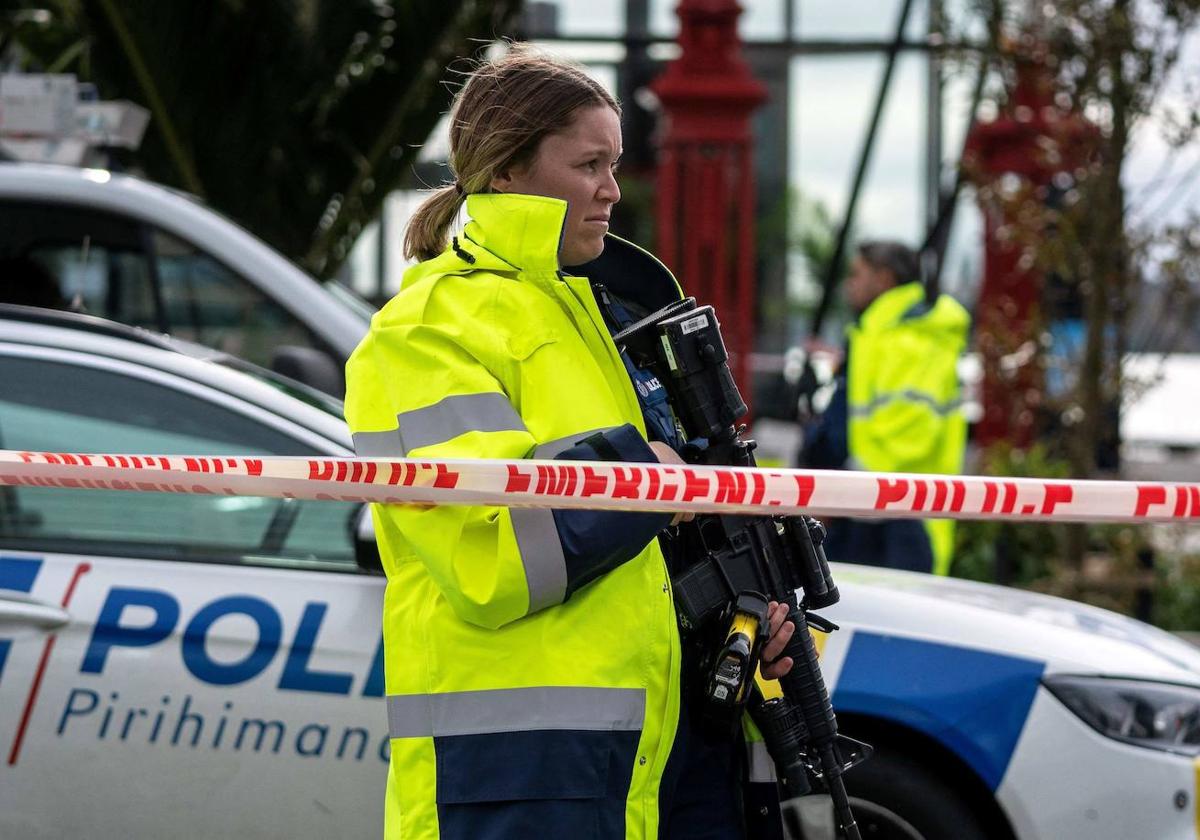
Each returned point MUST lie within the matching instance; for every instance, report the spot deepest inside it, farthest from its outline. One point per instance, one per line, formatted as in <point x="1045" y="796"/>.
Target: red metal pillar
<point x="1013" y="160"/>
<point x="705" y="205"/>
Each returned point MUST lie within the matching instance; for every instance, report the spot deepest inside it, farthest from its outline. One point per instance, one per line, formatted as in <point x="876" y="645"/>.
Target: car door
<point x="178" y="664"/>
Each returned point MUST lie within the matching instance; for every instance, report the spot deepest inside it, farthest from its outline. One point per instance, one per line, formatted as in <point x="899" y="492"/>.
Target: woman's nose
<point x="609" y="190"/>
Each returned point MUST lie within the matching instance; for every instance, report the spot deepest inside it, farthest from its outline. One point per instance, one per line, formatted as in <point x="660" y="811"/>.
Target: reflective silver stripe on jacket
<point x="378" y="444"/>
<point x="909" y="396"/>
<point x="762" y="767"/>
<point x="551" y="449"/>
<point x="444" y="420"/>
<point x="516" y="710"/>
<point x="541" y="555"/>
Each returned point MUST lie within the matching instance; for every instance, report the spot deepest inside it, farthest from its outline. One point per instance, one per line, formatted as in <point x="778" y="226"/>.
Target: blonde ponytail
<point x="427" y="230"/>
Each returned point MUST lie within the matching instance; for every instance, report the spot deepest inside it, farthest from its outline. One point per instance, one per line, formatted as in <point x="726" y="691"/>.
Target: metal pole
<point x="636" y="71"/>
<point x="937" y="238"/>
<point x="831" y="272"/>
<point x="933" y="119"/>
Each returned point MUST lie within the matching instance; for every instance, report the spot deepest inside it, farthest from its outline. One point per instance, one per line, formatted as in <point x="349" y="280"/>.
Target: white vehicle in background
<point x="210" y="666"/>
<point x="126" y="249"/>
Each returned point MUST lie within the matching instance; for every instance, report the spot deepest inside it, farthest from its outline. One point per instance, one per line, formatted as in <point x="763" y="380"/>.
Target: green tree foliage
<point x="294" y="117"/>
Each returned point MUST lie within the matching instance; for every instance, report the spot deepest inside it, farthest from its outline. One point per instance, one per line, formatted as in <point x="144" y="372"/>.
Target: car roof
<point x="340" y="325"/>
<point x="276" y="394"/>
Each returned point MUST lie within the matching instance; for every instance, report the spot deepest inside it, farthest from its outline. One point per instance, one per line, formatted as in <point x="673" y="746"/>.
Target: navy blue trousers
<point x="700" y="796"/>
<point x="893" y="543"/>
<point x="515" y="786"/>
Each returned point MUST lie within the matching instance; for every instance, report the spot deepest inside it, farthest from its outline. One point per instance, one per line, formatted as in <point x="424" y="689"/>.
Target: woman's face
<point x="579" y="166"/>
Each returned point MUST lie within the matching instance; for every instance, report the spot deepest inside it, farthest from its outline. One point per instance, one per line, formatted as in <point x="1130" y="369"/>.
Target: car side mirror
<point x="366" y="549"/>
<point x="311" y="366"/>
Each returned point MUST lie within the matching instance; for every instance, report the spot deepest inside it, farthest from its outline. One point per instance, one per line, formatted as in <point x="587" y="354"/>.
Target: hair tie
<point x="458" y="188"/>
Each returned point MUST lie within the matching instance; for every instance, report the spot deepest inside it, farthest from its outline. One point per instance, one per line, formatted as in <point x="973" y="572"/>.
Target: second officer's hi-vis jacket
<point x="903" y="392"/>
<point x="519" y="667"/>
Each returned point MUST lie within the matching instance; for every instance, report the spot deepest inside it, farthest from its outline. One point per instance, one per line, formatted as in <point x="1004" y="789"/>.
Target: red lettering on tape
<point x="958" y="497"/>
<point x="669" y="489"/>
<point x="919" y="497"/>
<point x="518" y="481"/>
<point x="410" y="474"/>
<point x="805" y="485"/>
<point x="694" y="486"/>
<point x="625" y="483"/>
<point x="889" y="491"/>
<point x="1147" y="495"/>
<point x="1010" y="497"/>
<point x="594" y="483"/>
<point x="760" y="488"/>
<point x="731" y="487"/>
<point x="1056" y="494"/>
<point x="989" y="497"/>
<point x="940" y="491"/>
<point x="320" y="470"/>
<point x="446" y="478"/>
<point x="254" y="466"/>
<point x="560" y="481"/>
<point x="1181" y="501"/>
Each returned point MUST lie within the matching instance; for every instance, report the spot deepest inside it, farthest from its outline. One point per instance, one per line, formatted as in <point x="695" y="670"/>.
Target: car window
<point x="60" y="257"/>
<point x="206" y="302"/>
<point x="58" y="407"/>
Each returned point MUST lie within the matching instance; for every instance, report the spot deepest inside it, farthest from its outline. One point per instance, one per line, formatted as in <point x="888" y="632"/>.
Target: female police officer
<point x="532" y="656"/>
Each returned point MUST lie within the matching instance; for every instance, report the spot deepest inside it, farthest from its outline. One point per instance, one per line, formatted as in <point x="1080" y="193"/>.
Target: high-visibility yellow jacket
<point x="505" y="680"/>
<point x="903" y="393"/>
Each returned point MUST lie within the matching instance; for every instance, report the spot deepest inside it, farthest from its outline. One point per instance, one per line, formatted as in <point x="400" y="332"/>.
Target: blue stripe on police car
<point x="17" y="574"/>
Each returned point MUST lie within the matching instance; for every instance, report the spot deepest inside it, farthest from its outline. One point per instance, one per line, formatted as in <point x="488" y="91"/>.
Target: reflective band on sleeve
<point x="378" y="444"/>
<point x="905" y="396"/>
<point x="516" y="710"/>
<point x="762" y="767"/>
<point x="552" y="448"/>
<point x="456" y="415"/>
<point x="542" y="556"/>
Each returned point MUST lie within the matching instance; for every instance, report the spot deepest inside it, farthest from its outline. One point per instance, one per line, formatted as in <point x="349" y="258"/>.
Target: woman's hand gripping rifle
<point x="738" y="564"/>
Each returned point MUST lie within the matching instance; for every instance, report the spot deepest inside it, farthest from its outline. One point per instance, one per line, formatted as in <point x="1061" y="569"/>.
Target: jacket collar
<point x="889" y="308"/>
<point x="513" y="231"/>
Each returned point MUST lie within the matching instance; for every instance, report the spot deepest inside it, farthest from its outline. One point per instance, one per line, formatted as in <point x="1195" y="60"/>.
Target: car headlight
<point x="1160" y="716"/>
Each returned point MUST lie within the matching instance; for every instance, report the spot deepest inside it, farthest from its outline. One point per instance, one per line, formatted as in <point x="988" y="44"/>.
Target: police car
<point x="211" y="666"/>
<point x="142" y="254"/>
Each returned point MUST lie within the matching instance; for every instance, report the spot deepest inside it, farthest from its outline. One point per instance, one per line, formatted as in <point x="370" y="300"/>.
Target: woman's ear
<point x="502" y="181"/>
<point x="511" y="178"/>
